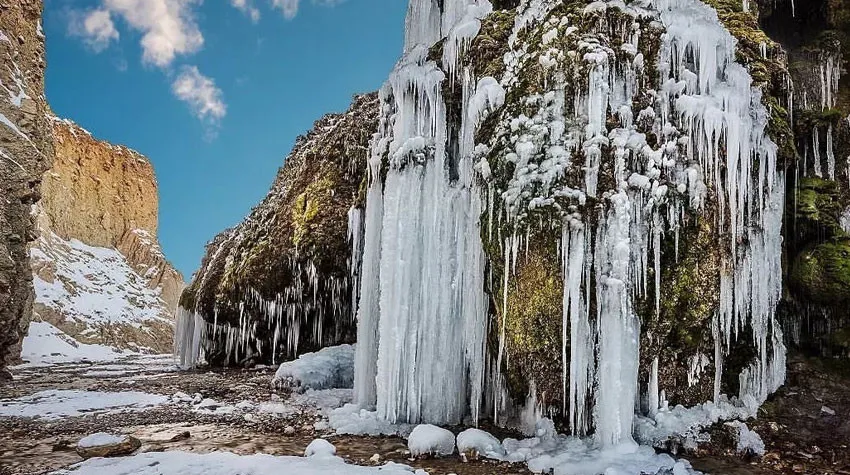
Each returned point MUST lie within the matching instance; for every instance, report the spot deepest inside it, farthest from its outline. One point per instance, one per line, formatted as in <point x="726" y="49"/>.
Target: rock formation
<point x="282" y="282"/>
<point x="100" y="275"/>
<point x="25" y="153"/>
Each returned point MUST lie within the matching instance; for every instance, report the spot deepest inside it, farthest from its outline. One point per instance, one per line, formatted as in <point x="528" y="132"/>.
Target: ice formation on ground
<point x="331" y="367"/>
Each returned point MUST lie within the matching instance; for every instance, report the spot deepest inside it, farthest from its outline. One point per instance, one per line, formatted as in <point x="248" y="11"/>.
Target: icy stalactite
<point x="816" y="159"/>
<point x="187" y="338"/>
<point x="422" y="307"/>
<point x="425" y="307"/>
<point x="830" y="154"/>
<point x="581" y="358"/>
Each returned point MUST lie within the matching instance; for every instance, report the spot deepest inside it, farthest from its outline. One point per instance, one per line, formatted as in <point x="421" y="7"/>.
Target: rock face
<point x="816" y="38"/>
<point x="25" y="153"/>
<point x="280" y="283"/>
<point x="100" y="275"/>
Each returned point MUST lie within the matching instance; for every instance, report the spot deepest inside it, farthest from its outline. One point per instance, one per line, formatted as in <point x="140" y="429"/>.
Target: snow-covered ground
<point x="225" y="463"/>
<point x="57" y="404"/>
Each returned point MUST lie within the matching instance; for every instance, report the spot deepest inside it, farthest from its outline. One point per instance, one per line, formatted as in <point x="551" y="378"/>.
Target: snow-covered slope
<point x="99" y="274"/>
<point x="94" y="295"/>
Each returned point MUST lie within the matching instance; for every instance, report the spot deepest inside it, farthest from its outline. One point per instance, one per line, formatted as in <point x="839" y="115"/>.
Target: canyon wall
<point x="25" y="153"/>
<point x="100" y="274"/>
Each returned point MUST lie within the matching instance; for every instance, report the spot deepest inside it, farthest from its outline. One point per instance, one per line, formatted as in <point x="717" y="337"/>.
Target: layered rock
<point x="25" y="153"/>
<point x="281" y="282"/>
<point x="100" y="274"/>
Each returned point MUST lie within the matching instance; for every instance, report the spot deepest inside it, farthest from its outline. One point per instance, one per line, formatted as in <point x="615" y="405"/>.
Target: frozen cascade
<point x="422" y="312"/>
<point x="428" y="310"/>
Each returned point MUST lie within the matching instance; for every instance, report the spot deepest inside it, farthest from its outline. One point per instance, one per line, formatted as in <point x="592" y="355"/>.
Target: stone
<point x="107" y="445"/>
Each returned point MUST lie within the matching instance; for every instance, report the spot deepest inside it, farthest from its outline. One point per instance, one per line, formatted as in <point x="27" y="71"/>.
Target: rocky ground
<point x="274" y="423"/>
<point x="238" y="411"/>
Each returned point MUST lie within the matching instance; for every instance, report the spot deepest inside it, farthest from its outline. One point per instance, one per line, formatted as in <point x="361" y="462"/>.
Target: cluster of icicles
<point x="423" y="313"/>
<point x="301" y="306"/>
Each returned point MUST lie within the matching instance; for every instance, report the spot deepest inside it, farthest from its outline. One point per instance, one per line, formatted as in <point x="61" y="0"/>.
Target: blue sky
<point x="213" y="92"/>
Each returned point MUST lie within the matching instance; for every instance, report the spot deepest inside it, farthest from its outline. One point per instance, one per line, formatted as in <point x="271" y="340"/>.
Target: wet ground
<point x="37" y="445"/>
<point x="805" y="426"/>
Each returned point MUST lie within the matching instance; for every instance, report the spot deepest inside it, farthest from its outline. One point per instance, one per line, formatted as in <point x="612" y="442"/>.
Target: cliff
<point x="281" y="282"/>
<point x="100" y="275"/>
<point x="25" y="153"/>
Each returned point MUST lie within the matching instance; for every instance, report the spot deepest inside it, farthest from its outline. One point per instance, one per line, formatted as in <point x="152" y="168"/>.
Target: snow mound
<point x="320" y="448"/>
<point x="479" y="442"/>
<point x="427" y="439"/>
<point x="331" y="367"/>
<point x="100" y="439"/>
<point x="227" y="463"/>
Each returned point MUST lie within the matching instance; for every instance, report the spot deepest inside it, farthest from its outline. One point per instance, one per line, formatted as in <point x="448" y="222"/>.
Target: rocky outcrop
<point x="281" y="283"/>
<point x="100" y="274"/>
<point x="25" y="153"/>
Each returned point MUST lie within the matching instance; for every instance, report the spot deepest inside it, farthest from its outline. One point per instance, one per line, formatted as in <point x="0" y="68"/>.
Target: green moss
<point x="822" y="273"/>
<point x="533" y="324"/>
<point x="817" y="208"/>
<point x="308" y="204"/>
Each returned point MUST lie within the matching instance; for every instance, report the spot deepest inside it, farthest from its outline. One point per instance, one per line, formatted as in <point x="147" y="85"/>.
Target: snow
<point x="56" y="404"/>
<point x="101" y="439"/>
<point x="45" y="345"/>
<point x="479" y="442"/>
<point x="352" y="419"/>
<point x="427" y="439"/>
<point x="226" y="463"/>
<point x="749" y="442"/>
<point x="106" y="289"/>
<point x="320" y="448"/>
<point x="331" y="367"/>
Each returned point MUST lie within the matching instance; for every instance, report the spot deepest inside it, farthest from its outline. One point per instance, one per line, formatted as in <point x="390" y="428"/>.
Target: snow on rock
<point x="477" y="442"/>
<point x="320" y="448"/>
<point x="427" y="439"/>
<point x="331" y="367"/>
<point x="226" y="463"/>
<point x="56" y="404"/>
<point x="102" y="444"/>
<point x="99" y="439"/>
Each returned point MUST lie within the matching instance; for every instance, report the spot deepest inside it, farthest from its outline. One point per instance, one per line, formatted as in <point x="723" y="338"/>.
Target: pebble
<point x="289" y="430"/>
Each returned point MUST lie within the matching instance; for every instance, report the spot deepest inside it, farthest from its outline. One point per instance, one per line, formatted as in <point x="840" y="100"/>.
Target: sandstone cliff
<point x="280" y="283"/>
<point x="100" y="275"/>
<point x="25" y="153"/>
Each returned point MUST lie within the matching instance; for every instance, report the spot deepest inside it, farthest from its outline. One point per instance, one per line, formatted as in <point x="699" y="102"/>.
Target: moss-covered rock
<point x="283" y="275"/>
<point x="821" y="274"/>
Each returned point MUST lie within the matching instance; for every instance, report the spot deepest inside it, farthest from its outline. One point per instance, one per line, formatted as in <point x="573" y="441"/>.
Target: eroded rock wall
<point x="26" y="151"/>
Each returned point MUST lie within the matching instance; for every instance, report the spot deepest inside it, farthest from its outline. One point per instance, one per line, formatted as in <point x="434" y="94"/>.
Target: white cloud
<point x="290" y="7"/>
<point x="95" y="27"/>
<point x="200" y="92"/>
<point x="247" y="8"/>
<point x="168" y="27"/>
